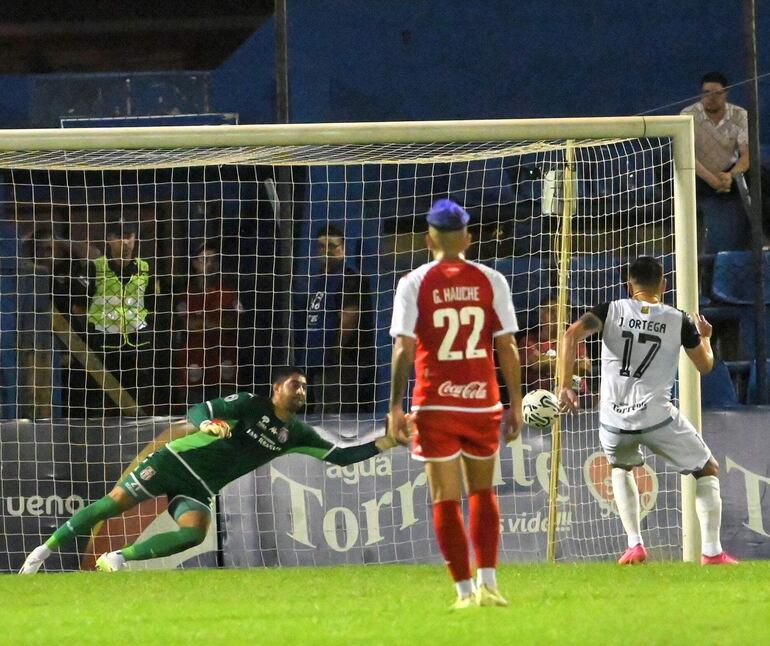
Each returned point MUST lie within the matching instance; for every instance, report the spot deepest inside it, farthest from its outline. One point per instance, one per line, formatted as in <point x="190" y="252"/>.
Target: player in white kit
<point x="641" y="337"/>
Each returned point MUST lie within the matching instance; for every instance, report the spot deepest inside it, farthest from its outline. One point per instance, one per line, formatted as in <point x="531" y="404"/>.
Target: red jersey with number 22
<point x="454" y="309"/>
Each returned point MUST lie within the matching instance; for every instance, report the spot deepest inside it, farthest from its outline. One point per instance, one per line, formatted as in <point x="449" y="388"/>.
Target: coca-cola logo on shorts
<point x="473" y="390"/>
<point x="598" y="476"/>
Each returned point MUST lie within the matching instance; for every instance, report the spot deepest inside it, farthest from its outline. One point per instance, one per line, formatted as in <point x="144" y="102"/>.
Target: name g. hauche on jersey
<point x="452" y="294"/>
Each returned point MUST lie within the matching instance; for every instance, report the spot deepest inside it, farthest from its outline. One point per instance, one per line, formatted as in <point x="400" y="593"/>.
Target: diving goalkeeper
<point x="236" y="435"/>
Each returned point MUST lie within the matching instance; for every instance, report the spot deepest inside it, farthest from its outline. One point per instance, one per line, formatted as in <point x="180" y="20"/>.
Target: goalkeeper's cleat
<point x="110" y="562"/>
<point x="723" y="558"/>
<point x="633" y="555"/>
<point x="490" y="597"/>
<point x="461" y="603"/>
<point x="35" y="560"/>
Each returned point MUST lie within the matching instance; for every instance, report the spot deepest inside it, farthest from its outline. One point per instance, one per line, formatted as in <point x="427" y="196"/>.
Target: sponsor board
<point x="300" y="511"/>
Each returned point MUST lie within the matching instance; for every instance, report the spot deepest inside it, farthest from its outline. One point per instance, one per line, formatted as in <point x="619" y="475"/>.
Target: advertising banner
<point x="298" y="511"/>
<point x="51" y="469"/>
<point x="301" y="511"/>
<point x="740" y="442"/>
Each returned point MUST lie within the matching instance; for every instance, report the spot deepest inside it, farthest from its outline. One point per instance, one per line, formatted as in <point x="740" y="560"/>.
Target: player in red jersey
<point x="449" y="317"/>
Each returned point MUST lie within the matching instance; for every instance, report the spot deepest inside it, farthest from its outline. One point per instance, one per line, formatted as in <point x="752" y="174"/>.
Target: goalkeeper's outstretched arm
<point x="343" y="456"/>
<point x="318" y="447"/>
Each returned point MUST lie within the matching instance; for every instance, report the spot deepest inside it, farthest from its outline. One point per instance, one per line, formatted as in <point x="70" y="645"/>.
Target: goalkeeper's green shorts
<point x="161" y="473"/>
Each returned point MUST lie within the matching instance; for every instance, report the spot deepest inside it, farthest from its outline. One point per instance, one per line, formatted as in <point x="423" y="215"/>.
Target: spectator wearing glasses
<point x="721" y="157"/>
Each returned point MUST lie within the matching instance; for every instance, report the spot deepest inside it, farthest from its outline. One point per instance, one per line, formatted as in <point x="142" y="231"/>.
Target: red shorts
<point x="443" y="435"/>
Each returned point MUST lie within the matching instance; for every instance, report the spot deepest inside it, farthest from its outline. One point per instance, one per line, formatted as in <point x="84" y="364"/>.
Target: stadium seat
<point x="595" y="278"/>
<point x="669" y="273"/>
<point x="531" y="278"/>
<point x="752" y="390"/>
<point x="748" y="336"/>
<point x="717" y="388"/>
<point x="733" y="279"/>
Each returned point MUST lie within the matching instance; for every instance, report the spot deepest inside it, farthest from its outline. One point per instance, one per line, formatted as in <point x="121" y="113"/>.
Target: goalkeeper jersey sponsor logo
<point x="267" y="443"/>
<point x="147" y="473"/>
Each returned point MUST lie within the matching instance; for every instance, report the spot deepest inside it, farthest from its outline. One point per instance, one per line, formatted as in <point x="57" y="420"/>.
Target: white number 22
<point x="452" y="319"/>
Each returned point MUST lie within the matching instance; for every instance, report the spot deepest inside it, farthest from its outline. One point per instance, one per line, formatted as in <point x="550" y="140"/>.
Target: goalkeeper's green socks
<point x="83" y="521"/>
<point x="164" y="544"/>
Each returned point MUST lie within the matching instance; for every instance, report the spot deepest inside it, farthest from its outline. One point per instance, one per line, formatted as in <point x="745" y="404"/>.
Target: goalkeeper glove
<point x="385" y="442"/>
<point x="217" y="427"/>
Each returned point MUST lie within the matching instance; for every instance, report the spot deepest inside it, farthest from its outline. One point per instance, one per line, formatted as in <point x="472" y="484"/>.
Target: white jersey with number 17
<point x="640" y="355"/>
<point x="454" y="309"/>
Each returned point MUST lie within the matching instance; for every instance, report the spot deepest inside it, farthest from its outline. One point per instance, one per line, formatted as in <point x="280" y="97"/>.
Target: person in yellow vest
<point x="120" y="310"/>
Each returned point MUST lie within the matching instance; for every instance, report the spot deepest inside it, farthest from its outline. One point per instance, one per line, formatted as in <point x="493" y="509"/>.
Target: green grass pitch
<point x="658" y="603"/>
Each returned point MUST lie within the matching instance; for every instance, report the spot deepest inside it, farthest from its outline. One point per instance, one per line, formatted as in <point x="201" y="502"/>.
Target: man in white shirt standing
<point x="641" y="340"/>
<point x="721" y="152"/>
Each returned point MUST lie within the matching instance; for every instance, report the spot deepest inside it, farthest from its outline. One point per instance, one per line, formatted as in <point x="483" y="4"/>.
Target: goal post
<point x="630" y="182"/>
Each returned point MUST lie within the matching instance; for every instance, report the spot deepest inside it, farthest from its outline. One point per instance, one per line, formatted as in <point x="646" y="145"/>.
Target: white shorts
<point x="678" y="443"/>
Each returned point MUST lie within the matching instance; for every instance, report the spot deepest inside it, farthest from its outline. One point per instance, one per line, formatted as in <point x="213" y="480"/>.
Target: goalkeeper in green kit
<point x="235" y="435"/>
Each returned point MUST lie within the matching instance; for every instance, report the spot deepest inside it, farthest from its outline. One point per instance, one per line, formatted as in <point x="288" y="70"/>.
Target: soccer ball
<point x="540" y="408"/>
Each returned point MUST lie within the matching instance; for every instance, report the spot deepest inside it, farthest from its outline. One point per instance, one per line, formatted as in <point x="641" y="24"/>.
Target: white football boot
<point x="35" y="560"/>
<point x="110" y="562"/>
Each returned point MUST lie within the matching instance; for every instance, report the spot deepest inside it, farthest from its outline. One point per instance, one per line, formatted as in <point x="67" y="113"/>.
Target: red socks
<point x="450" y="536"/>
<point x="484" y="526"/>
<point x="484" y="532"/>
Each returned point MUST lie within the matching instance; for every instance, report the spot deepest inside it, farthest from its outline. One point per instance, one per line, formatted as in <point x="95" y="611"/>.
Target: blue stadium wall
<point x="443" y="60"/>
<point x="431" y="59"/>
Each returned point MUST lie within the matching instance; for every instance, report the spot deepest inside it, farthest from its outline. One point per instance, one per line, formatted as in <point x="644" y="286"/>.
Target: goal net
<point x="234" y="249"/>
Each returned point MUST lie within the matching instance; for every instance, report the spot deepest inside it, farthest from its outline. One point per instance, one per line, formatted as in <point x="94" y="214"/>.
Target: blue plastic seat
<point x="595" y="278"/>
<point x="752" y="389"/>
<point x="717" y="388"/>
<point x="733" y="280"/>
<point x="748" y="335"/>
<point x="531" y="278"/>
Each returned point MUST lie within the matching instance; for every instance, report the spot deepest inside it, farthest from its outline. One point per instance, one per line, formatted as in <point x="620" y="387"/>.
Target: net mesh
<point x="237" y="283"/>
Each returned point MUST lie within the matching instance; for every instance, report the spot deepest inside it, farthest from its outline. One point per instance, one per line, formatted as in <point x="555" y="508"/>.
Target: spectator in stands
<point x="538" y="353"/>
<point x="70" y="271"/>
<point x="206" y="355"/>
<point x="62" y="272"/>
<point x="340" y="331"/>
<point x="120" y="317"/>
<point x="721" y="156"/>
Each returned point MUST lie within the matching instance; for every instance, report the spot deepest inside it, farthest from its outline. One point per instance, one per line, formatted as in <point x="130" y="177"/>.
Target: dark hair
<point x="207" y="245"/>
<point x="645" y="271"/>
<point x="282" y="373"/>
<point x="329" y="230"/>
<point x="42" y="236"/>
<point x="714" y="77"/>
<point x="121" y="230"/>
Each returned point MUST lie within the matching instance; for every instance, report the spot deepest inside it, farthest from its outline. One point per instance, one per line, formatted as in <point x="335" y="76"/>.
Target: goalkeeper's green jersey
<point x="257" y="437"/>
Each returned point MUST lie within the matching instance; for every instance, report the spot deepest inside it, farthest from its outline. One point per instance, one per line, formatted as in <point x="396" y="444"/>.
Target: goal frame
<point x="679" y="128"/>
